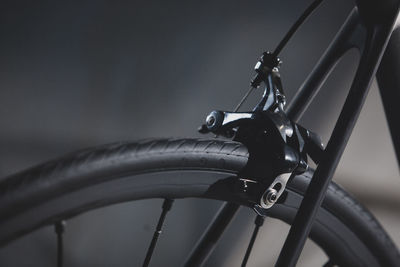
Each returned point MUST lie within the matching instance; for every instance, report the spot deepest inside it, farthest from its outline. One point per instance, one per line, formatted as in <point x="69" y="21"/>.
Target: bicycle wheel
<point x="93" y="178"/>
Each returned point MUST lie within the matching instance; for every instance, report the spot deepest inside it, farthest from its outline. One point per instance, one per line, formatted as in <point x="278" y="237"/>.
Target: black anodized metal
<point x="343" y="41"/>
<point x="371" y="50"/>
<point x="389" y="86"/>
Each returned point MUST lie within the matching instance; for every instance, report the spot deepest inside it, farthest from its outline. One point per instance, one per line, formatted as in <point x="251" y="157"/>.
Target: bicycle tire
<point x="101" y="176"/>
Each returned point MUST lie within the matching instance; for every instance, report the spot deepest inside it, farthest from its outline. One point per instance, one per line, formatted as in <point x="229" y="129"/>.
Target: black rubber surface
<point x="179" y="168"/>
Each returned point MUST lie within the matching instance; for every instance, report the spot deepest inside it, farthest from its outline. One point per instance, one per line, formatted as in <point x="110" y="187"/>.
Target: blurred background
<point x="82" y="73"/>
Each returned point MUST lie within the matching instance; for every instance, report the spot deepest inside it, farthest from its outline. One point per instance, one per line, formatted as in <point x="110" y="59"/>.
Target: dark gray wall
<point x="81" y="73"/>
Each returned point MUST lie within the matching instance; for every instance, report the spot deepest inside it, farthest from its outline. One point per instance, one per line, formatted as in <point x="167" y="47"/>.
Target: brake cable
<point x="255" y="83"/>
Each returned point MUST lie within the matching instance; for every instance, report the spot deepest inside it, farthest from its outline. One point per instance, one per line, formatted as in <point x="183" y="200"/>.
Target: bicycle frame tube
<point x="389" y="86"/>
<point x="370" y="26"/>
<point x="367" y="29"/>
<point x="311" y="86"/>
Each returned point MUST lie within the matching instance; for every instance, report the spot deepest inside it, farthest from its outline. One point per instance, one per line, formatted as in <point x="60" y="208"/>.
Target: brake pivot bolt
<point x="210" y="120"/>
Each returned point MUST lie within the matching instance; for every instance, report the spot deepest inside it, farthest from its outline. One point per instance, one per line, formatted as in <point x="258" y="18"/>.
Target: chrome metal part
<point x="210" y="121"/>
<point x="274" y="191"/>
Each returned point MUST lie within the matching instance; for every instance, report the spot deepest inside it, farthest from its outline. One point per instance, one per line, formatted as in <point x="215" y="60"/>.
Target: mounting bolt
<point x="210" y="121"/>
<point x="271" y="196"/>
<point x="215" y="120"/>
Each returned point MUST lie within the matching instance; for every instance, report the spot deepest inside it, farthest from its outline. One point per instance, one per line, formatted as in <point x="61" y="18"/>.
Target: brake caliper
<point x="278" y="147"/>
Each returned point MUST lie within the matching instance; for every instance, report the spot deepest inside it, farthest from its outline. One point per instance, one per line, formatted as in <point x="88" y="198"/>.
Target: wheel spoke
<point x="59" y="228"/>
<point x="258" y="223"/>
<point x="167" y="204"/>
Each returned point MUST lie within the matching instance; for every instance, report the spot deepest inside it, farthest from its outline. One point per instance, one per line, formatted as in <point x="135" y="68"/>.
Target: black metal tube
<point x="375" y="43"/>
<point x="389" y="87"/>
<point x="310" y="87"/>
<point x="211" y="235"/>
